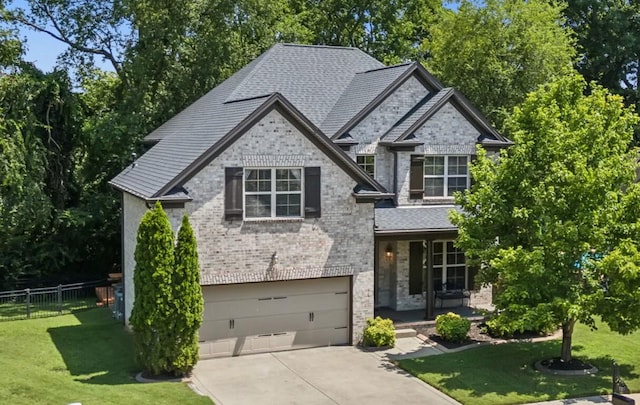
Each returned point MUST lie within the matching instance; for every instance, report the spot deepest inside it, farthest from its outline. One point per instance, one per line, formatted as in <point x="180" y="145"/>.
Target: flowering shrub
<point x="452" y="327"/>
<point x="379" y="332"/>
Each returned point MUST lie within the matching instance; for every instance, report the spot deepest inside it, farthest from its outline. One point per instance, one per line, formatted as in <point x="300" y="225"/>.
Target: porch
<point x="403" y="319"/>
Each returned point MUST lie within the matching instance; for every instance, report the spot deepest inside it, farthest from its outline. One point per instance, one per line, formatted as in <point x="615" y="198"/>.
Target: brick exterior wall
<point x="447" y="132"/>
<point x="385" y="277"/>
<point x="341" y="238"/>
<point x="376" y="124"/>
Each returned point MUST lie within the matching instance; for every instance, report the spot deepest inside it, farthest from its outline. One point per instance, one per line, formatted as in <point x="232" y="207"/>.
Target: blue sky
<point x="42" y="49"/>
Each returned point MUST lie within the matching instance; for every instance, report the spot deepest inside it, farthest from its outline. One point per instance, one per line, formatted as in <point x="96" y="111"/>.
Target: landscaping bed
<point x="476" y="336"/>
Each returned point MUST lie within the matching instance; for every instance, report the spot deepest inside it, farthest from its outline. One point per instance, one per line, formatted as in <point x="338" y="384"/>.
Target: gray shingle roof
<point x="362" y="90"/>
<point x="177" y="150"/>
<point x="312" y="78"/>
<point x="407" y="219"/>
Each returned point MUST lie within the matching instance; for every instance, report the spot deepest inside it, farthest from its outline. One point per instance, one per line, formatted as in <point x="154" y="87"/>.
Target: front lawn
<point x="85" y="357"/>
<point x="504" y="374"/>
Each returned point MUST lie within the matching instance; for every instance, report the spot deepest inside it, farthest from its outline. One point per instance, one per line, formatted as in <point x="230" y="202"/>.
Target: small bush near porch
<point x="504" y="374"/>
<point x="85" y="357"/>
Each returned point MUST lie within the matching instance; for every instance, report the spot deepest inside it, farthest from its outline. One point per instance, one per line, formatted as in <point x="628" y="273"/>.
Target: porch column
<point x="429" y="296"/>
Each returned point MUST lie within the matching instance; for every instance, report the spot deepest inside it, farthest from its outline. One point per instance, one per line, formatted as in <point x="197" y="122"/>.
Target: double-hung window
<point x="272" y="192"/>
<point x="368" y="163"/>
<point x="444" y="175"/>
<point x="449" y="267"/>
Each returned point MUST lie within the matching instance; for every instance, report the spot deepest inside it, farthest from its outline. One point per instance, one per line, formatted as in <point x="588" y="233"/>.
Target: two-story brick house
<point x="318" y="182"/>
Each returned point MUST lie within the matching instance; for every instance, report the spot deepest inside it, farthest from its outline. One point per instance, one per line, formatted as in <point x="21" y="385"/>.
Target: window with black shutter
<point x="256" y="193"/>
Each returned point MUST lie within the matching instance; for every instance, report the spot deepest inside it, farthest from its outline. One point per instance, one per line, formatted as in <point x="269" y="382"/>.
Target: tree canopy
<point x="608" y="39"/>
<point x="497" y="51"/>
<point x="538" y="218"/>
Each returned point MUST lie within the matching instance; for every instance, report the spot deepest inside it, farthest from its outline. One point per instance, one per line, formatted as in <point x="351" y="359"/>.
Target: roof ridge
<point x="386" y="67"/>
<point x="349" y="48"/>
<point x="239" y="100"/>
<point x="265" y="56"/>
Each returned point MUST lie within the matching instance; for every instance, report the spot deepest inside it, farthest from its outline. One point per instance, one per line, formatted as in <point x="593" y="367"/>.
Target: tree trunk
<point x="567" y="333"/>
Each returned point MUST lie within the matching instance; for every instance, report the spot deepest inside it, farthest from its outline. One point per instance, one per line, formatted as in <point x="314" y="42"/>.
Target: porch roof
<point x="420" y="219"/>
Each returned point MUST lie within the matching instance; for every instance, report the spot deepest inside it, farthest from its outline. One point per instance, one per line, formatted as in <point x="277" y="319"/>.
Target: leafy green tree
<point x="537" y="218"/>
<point x="497" y="51"/>
<point x="608" y="39"/>
<point x="187" y="299"/>
<point x="391" y="31"/>
<point x="153" y="307"/>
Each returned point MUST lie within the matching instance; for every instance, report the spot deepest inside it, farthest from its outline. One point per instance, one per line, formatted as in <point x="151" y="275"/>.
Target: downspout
<point x="122" y="264"/>
<point x="395" y="178"/>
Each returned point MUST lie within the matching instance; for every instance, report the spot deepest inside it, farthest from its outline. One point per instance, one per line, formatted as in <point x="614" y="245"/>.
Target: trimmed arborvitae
<point x="153" y="307"/>
<point x="188" y="300"/>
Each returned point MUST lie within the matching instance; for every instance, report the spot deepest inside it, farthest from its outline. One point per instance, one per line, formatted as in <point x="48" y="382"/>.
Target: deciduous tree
<point x="538" y="218"/>
<point x="497" y="51"/>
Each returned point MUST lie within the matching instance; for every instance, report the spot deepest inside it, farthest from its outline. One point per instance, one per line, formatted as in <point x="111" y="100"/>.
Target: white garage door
<point x="282" y="315"/>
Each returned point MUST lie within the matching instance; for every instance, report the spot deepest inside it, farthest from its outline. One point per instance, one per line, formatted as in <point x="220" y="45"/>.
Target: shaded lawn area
<point x="14" y="311"/>
<point x="85" y="357"/>
<point x="504" y="374"/>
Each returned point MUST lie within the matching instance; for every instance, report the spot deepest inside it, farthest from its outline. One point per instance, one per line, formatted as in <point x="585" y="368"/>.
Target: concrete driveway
<point x="327" y="375"/>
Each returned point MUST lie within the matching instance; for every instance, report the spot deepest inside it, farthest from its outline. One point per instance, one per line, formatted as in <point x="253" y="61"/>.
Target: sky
<point x="42" y="49"/>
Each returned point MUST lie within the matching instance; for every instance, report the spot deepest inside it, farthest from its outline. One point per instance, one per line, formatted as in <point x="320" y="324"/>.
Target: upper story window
<point x="368" y="163"/>
<point x="444" y="175"/>
<point x="272" y="192"/>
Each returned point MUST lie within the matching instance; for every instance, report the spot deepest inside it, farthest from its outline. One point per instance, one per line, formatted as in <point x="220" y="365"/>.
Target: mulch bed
<point x="475" y="336"/>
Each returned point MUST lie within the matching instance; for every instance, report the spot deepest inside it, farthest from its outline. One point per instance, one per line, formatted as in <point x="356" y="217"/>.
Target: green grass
<point x="10" y="311"/>
<point x="504" y="374"/>
<point x="85" y="357"/>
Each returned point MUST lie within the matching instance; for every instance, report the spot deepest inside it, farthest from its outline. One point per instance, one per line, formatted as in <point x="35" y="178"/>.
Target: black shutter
<point x="312" y="195"/>
<point x="233" y="193"/>
<point x="415" y="267"/>
<point x="416" y="177"/>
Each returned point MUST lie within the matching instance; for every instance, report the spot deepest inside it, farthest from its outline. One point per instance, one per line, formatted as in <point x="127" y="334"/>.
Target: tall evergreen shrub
<point x="151" y="316"/>
<point x="187" y="299"/>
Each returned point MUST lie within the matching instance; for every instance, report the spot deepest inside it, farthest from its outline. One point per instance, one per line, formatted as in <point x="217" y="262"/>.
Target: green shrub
<point x="379" y="332"/>
<point x="452" y="327"/>
<point x="187" y="296"/>
<point x="151" y="316"/>
<point x="516" y="320"/>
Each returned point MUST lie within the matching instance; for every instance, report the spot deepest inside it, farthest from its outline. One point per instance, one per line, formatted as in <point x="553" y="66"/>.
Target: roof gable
<point x="413" y="69"/>
<point x="419" y="116"/>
